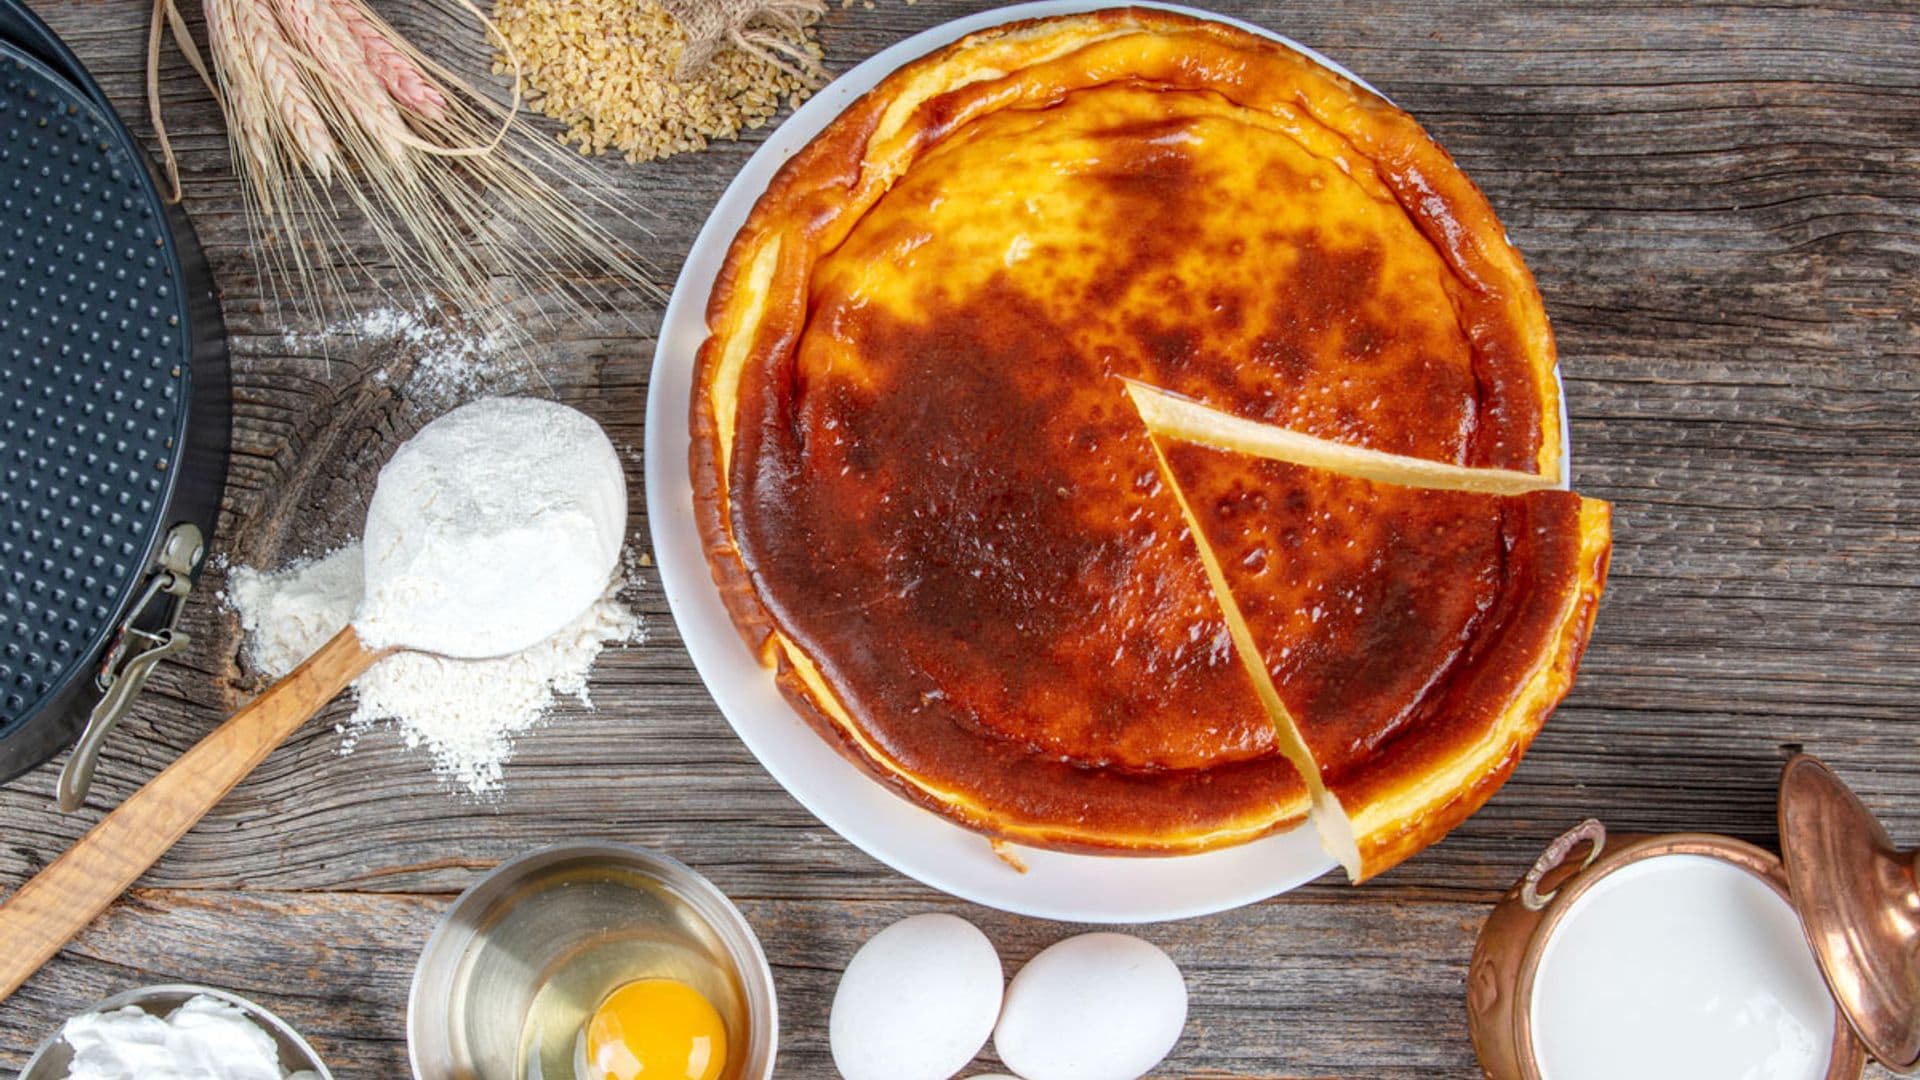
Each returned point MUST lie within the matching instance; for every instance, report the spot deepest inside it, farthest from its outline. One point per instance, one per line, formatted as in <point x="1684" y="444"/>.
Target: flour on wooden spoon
<point x="492" y="528"/>
<point x="499" y="524"/>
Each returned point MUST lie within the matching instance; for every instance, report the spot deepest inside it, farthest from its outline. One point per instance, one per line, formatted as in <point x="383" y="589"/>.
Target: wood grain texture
<point x="42" y="915"/>
<point x="1722" y="204"/>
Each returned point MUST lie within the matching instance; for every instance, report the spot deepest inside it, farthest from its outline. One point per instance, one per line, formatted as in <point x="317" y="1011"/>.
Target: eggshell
<point x="1093" y="1007"/>
<point x="917" y="1002"/>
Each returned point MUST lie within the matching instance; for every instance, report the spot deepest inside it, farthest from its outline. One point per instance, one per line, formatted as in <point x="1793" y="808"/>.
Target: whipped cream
<point x="203" y="1039"/>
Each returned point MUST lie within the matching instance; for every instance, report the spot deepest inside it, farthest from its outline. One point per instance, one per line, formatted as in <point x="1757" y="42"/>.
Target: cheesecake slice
<point x="1408" y="624"/>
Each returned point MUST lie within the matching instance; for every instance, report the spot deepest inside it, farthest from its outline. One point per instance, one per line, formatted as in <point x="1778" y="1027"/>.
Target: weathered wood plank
<point x="1722" y="204"/>
<point x="1298" y="989"/>
<point x="1277" y="990"/>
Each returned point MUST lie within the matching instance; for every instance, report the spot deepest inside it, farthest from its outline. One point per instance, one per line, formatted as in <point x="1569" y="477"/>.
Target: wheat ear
<point x="330" y="44"/>
<point x="252" y="141"/>
<point x="395" y="70"/>
<point x="247" y="33"/>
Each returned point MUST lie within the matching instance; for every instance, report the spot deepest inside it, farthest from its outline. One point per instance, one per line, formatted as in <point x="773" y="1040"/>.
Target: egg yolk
<point x="656" y="1029"/>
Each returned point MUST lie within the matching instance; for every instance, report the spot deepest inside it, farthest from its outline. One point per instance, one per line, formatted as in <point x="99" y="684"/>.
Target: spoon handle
<point x="45" y="913"/>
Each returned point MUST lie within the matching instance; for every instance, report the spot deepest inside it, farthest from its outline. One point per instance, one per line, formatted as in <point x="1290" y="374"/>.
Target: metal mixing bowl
<point x="482" y="967"/>
<point x="54" y="1058"/>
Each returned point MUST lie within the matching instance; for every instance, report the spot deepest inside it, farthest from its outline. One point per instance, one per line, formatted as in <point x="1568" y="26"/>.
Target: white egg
<point x="917" y="1002"/>
<point x="1093" y="1007"/>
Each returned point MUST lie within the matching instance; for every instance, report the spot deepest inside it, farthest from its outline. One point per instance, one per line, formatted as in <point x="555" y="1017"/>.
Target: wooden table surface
<point x="1722" y="204"/>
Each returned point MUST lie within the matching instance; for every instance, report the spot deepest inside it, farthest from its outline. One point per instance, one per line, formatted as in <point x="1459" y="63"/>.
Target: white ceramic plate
<point x="912" y="840"/>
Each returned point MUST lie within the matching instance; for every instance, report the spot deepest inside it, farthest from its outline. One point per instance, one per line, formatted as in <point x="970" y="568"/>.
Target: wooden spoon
<point x="45" y="913"/>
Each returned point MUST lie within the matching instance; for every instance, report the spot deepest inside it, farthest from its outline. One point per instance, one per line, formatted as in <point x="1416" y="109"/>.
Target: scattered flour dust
<point x="465" y="712"/>
<point x="450" y="360"/>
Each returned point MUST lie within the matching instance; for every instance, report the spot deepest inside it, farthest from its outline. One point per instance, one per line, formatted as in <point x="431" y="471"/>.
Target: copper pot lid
<point x="1860" y="906"/>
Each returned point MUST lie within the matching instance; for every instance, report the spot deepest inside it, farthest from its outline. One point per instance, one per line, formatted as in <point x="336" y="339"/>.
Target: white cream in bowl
<point x="1680" y="965"/>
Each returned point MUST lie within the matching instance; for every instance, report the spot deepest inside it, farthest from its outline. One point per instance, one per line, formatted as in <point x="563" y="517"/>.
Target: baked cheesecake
<point x="928" y="497"/>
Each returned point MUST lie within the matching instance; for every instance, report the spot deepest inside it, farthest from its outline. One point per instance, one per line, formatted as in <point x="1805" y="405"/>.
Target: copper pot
<point x="1506" y="960"/>
<point x="1854" y="893"/>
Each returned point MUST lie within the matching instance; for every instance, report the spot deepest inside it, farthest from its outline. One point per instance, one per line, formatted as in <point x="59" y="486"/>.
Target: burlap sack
<point x="772" y="30"/>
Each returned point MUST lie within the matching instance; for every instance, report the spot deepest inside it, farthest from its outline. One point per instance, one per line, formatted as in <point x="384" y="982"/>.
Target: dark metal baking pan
<point x="114" y="409"/>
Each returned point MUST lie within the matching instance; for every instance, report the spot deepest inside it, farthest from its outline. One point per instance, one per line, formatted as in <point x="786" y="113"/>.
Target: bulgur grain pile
<point x="605" y="69"/>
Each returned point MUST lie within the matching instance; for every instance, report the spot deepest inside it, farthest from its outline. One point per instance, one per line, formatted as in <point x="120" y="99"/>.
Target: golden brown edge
<point x="1388" y="831"/>
<point x="799" y="681"/>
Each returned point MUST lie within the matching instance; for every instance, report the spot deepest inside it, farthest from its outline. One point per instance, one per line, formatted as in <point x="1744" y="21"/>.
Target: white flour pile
<point x="498" y="523"/>
<point x="491" y="528"/>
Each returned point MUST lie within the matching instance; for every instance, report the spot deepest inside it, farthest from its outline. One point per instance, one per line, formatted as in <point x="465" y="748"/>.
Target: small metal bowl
<point x="54" y="1058"/>
<point x="481" y="969"/>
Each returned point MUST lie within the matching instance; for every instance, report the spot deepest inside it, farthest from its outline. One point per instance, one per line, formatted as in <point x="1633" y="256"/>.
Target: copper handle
<point x="1591" y="831"/>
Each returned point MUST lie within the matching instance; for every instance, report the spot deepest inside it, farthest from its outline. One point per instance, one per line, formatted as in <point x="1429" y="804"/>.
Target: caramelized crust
<point x="926" y="498"/>
<point x="1416" y="638"/>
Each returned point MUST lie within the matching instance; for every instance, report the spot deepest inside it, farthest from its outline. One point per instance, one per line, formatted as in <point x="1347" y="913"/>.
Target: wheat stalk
<point x="333" y="118"/>
<point x="399" y="74"/>
<point x="257" y="68"/>
<point x="171" y="167"/>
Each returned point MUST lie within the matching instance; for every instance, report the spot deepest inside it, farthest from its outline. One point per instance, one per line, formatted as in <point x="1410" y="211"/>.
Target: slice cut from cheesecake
<point x="1409" y="624"/>
<point x="1171" y="416"/>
